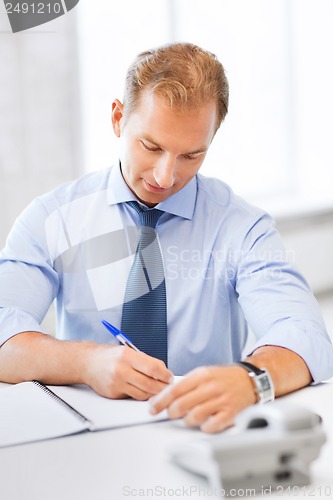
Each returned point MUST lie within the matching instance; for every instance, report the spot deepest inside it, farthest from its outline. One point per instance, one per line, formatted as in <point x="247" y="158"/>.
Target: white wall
<point x="309" y="240"/>
<point x="39" y="112"/>
<point x="41" y="121"/>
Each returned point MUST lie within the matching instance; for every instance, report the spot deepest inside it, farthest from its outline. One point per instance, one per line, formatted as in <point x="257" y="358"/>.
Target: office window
<point x="275" y="145"/>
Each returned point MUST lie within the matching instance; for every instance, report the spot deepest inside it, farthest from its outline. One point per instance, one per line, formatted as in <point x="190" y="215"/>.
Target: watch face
<point x="265" y="387"/>
<point x="265" y="382"/>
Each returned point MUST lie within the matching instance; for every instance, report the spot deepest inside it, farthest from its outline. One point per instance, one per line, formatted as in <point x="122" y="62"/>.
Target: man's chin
<point x="151" y="200"/>
<point x="151" y="195"/>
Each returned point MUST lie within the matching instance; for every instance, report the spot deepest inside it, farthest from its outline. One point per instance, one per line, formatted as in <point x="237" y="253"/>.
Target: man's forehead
<point x="185" y="131"/>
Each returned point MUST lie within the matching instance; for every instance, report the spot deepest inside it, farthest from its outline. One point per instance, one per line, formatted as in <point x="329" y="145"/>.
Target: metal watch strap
<point x="262" y="381"/>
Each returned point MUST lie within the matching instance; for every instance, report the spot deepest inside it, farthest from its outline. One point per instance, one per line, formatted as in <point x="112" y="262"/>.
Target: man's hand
<point x="209" y="397"/>
<point x="111" y="371"/>
<point x="118" y="372"/>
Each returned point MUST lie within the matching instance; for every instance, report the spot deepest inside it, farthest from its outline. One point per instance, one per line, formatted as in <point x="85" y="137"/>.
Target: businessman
<point x="176" y="260"/>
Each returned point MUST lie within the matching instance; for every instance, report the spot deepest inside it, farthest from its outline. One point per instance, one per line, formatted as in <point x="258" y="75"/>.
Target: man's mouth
<point x="154" y="189"/>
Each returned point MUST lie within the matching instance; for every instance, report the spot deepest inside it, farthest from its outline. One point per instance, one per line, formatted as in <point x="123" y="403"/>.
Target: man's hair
<point x="183" y="74"/>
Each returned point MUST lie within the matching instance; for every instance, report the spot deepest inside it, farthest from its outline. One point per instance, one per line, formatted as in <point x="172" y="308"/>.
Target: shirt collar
<point x="181" y="203"/>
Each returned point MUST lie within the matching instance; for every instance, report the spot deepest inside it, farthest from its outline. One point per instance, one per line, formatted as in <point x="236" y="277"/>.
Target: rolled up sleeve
<point x="277" y="302"/>
<point x="28" y="282"/>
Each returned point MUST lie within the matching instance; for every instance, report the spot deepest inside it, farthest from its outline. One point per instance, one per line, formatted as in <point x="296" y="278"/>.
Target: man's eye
<point x="148" y="148"/>
<point x="190" y="157"/>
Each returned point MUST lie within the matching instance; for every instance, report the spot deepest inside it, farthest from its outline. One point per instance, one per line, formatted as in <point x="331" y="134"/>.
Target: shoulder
<point x="221" y="200"/>
<point x="83" y="186"/>
<point x="65" y="195"/>
<point x="230" y="218"/>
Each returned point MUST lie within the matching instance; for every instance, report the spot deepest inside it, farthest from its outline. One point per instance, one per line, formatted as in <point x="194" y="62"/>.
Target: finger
<point x="131" y="381"/>
<point x="124" y="390"/>
<point x="180" y="397"/>
<point x="203" y="400"/>
<point x="129" y="387"/>
<point x="152" y="367"/>
<point x="170" y="394"/>
<point x="149" y="366"/>
<point x="217" y="423"/>
<point x="202" y="412"/>
<point x="162" y="400"/>
<point x="182" y="405"/>
<point x="135" y="393"/>
<point x="145" y="384"/>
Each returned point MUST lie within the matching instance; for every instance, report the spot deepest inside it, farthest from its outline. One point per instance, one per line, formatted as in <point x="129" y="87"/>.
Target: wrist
<point x="88" y="357"/>
<point x="261" y="382"/>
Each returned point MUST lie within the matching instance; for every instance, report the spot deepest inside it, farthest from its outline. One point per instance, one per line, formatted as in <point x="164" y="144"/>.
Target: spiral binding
<point x="60" y="400"/>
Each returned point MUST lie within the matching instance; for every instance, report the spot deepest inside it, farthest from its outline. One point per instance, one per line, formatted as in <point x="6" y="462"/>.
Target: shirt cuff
<point x="315" y="348"/>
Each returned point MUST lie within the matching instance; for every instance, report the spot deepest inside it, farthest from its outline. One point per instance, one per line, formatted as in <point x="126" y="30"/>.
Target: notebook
<point x="31" y="411"/>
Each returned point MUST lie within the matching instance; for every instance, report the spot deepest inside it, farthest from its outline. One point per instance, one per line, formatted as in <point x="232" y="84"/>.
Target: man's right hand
<point x="118" y="372"/>
<point x="111" y="371"/>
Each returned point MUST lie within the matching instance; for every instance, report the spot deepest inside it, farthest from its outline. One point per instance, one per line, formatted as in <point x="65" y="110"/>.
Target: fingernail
<point x="152" y="408"/>
<point x="151" y="400"/>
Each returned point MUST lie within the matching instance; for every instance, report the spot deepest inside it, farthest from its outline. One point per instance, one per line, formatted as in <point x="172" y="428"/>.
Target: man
<point x="223" y="265"/>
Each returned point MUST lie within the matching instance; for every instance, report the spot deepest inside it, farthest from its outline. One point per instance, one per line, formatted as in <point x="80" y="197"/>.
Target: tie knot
<point x="148" y="217"/>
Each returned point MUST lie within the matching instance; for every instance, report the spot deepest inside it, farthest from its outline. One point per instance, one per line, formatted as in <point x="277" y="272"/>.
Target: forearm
<point x="35" y="356"/>
<point x="287" y="369"/>
<point x="111" y="371"/>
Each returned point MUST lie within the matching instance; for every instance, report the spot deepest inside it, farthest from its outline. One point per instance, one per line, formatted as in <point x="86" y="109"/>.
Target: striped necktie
<point x="144" y="317"/>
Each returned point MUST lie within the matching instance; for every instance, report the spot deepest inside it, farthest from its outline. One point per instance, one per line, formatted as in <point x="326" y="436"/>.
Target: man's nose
<point x="164" y="171"/>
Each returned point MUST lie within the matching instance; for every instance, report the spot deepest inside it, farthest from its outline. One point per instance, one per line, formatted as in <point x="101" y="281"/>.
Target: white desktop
<point x="135" y="462"/>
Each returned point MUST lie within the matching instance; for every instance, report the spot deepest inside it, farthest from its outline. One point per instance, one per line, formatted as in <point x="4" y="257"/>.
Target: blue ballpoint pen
<point x="120" y="336"/>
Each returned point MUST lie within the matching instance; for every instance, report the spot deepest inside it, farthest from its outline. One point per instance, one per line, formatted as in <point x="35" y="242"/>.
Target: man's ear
<point x="116" y="116"/>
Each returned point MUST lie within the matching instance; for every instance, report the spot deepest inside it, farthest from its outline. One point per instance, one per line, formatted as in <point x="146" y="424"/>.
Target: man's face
<point x="163" y="148"/>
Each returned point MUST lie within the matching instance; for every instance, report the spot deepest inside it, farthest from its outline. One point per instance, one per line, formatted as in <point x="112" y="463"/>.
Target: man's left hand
<point x="208" y="397"/>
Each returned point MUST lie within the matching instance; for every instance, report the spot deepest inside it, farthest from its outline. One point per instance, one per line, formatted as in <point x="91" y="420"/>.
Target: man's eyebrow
<point x="197" y="151"/>
<point x="203" y="149"/>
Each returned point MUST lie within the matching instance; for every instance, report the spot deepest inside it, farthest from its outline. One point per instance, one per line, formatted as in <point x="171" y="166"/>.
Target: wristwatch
<point x="262" y="381"/>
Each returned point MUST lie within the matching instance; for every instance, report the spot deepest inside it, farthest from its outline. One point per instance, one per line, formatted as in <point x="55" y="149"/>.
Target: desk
<point x="133" y="462"/>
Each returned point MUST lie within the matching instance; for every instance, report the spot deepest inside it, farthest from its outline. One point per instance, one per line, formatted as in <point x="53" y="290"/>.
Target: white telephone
<point x="271" y="446"/>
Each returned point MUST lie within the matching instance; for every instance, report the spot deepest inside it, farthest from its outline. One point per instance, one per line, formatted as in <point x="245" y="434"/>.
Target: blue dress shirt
<point x="225" y="268"/>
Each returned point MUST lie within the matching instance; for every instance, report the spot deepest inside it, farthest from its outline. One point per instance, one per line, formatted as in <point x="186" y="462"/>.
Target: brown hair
<point x="183" y="74"/>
